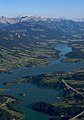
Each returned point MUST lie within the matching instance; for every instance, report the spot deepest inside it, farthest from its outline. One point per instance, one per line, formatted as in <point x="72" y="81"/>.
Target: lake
<point x="34" y="93"/>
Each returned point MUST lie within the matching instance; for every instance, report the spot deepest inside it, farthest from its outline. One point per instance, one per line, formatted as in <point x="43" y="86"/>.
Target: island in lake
<point x="42" y="69"/>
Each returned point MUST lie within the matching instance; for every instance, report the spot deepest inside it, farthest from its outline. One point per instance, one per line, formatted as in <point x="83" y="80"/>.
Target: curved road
<point x="69" y="87"/>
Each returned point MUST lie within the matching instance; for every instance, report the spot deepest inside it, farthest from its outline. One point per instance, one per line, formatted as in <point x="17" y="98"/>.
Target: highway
<point x="69" y="87"/>
<point x="74" y="118"/>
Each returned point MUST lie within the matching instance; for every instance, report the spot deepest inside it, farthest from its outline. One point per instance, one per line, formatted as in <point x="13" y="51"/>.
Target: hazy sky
<point x="45" y="8"/>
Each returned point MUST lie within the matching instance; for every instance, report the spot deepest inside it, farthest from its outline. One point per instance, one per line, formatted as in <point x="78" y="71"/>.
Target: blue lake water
<point x="34" y="93"/>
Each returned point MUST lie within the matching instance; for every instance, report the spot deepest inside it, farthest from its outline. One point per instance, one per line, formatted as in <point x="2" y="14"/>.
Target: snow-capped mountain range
<point x="6" y="20"/>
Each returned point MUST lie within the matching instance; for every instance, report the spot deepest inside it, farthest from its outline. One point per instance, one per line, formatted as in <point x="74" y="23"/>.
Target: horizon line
<point x="39" y="16"/>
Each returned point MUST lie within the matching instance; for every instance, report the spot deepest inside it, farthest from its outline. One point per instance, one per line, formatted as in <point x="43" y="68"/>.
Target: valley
<point x="29" y="56"/>
<point x="41" y="69"/>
